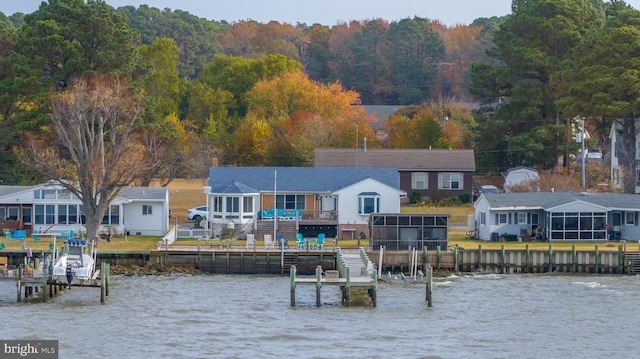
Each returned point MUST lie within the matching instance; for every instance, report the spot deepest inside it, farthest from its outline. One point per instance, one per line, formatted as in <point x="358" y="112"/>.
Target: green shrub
<point x="465" y="198"/>
<point x="414" y="197"/>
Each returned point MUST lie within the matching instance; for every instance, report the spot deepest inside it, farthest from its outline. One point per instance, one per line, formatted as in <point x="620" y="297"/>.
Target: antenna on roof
<point x="356" y="146"/>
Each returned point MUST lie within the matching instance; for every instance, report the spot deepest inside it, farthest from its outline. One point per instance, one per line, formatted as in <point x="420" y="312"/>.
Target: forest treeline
<point x="244" y="92"/>
<point x="251" y="93"/>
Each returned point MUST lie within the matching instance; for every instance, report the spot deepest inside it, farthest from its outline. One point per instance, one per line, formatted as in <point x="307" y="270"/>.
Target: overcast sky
<point x="325" y="12"/>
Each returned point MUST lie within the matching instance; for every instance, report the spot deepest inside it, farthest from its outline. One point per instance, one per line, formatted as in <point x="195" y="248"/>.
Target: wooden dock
<point x="355" y="272"/>
<point x="38" y="282"/>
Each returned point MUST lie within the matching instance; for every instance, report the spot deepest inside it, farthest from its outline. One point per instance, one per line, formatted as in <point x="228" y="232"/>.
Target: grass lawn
<point x="130" y="243"/>
<point x="458" y="214"/>
<point x="457" y="237"/>
<point x="185" y="194"/>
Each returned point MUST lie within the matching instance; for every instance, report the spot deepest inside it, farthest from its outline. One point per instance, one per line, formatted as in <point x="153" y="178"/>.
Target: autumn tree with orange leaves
<point x="303" y="115"/>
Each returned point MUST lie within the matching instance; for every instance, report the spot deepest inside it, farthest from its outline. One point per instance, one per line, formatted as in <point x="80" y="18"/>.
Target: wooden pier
<point x="355" y="272"/>
<point x="35" y="282"/>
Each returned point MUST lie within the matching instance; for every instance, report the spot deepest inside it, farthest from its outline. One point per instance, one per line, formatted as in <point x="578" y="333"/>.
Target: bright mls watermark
<point x="39" y="349"/>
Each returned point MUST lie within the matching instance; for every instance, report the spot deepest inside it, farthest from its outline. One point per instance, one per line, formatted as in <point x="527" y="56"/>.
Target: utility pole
<point x="582" y="151"/>
<point x="444" y="76"/>
<point x="356" y="146"/>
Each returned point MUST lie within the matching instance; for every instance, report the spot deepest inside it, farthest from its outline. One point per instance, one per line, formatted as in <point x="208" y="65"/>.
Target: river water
<point x="245" y="316"/>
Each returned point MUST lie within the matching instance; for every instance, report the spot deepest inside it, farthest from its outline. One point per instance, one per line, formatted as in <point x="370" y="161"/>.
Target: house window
<point x="522" y="218"/>
<point x="67" y="213"/>
<point x="13" y="213"/>
<point x="418" y="180"/>
<point x="450" y="180"/>
<point x="26" y="215"/>
<point x="368" y="203"/>
<point x="3" y="213"/>
<point x="247" y="204"/>
<point x="48" y="194"/>
<point x="44" y="214"/>
<point x="483" y="218"/>
<point x="233" y="204"/>
<point x="112" y="215"/>
<point x="146" y="210"/>
<point x="66" y="194"/>
<point x="115" y="214"/>
<point x="291" y="201"/>
<point x="502" y="218"/>
<point x="45" y="194"/>
<point x="629" y="218"/>
<point x="217" y="204"/>
<point x="534" y="219"/>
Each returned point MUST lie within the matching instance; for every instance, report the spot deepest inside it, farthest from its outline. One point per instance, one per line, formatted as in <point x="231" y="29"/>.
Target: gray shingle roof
<point x="299" y="179"/>
<point x="403" y="159"/>
<point x="144" y="193"/>
<point x="545" y="200"/>
<point x="234" y="187"/>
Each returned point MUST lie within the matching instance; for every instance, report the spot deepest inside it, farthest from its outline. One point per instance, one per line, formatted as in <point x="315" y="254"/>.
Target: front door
<point x="616" y="219"/>
<point x="328" y="203"/>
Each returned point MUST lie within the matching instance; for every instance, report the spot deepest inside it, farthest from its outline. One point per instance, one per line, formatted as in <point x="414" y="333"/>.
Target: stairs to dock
<point x="290" y="259"/>
<point x="287" y="229"/>
<point x="632" y="262"/>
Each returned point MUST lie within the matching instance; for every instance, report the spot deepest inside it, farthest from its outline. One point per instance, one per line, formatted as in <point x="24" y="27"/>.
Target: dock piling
<point x="318" y="284"/>
<point x="429" y="285"/>
<point x="292" y="276"/>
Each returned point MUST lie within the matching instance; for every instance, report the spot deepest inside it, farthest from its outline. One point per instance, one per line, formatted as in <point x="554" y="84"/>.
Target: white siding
<point x="348" y="200"/>
<point x="151" y="224"/>
<point x="25" y="197"/>
<point x="483" y="231"/>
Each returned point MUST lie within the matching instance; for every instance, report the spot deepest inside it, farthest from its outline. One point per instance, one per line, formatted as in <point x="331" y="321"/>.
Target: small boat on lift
<point x="75" y="263"/>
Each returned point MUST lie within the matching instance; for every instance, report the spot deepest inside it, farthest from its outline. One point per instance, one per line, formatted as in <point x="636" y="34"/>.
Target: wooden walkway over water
<point x="355" y="271"/>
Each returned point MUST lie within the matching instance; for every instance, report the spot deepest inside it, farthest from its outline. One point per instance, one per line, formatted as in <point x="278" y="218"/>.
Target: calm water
<point x="230" y="316"/>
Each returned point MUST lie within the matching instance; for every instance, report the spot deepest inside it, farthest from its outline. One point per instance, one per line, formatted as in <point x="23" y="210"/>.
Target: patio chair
<point x="20" y="234"/>
<point x="320" y="240"/>
<point x="282" y="242"/>
<point x="267" y="214"/>
<point x="36" y="237"/>
<point x="268" y="241"/>
<point x="7" y="235"/>
<point x="250" y="241"/>
<point x="300" y="240"/>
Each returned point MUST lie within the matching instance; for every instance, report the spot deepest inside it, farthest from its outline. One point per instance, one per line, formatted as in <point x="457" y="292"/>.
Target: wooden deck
<point x="355" y="270"/>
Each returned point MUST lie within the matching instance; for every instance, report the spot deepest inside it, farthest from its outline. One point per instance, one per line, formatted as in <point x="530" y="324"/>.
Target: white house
<point x="518" y="175"/>
<point x="49" y="207"/>
<point x="558" y="216"/>
<point x="334" y="201"/>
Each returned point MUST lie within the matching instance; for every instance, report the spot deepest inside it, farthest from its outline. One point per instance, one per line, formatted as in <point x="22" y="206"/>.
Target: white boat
<point x="75" y="264"/>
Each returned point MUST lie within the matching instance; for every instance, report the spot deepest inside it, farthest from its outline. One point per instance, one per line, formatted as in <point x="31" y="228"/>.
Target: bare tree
<point x="93" y="150"/>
